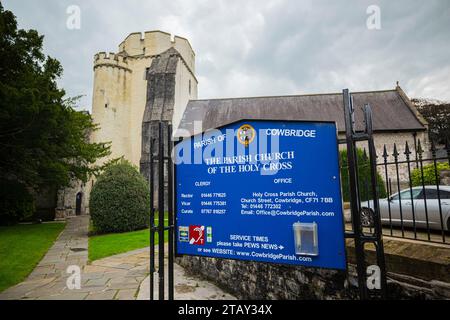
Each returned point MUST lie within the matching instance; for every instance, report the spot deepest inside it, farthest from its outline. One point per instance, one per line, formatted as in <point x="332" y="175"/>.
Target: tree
<point x="437" y="114"/>
<point x="44" y="141"/>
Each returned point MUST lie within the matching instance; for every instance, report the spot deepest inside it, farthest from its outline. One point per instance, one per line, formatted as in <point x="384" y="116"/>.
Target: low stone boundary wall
<point x="255" y="280"/>
<point x="420" y="277"/>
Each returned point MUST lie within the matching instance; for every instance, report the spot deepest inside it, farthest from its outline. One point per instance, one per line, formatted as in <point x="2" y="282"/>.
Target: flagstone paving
<point x="185" y="288"/>
<point x="49" y="277"/>
<point x="120" y="277"/>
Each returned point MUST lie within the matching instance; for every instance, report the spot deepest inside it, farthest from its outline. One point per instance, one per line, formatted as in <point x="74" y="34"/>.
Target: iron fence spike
<point x="407" y="151"/>
<point x="385" y="154"/>
<point x="419" y="148"/>
<point x="395" y="153"/>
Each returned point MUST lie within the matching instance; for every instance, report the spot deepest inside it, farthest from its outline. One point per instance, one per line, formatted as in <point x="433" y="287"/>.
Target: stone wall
<point x="398" y="139"/>
<point x="255" y="280"/>
<point x="415" y="271"/>
<point x="445" y="177"/>
<point x="67" y="199"/>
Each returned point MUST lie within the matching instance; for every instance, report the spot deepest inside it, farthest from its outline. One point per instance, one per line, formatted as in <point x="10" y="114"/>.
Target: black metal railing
<point x="416" y="201"/>
<point x="160" y="170"/>
<point x="357" y="233"/>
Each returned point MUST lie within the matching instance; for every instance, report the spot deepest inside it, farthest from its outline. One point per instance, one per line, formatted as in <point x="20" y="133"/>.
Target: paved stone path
<point x="121" y="277"/>
<point x="185" y="287"/>
<point x="49" y="277"/>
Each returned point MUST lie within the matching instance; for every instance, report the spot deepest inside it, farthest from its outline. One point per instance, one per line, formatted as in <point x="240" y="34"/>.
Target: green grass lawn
<point x="21" y="249"/>
<point x="106" y="245"/>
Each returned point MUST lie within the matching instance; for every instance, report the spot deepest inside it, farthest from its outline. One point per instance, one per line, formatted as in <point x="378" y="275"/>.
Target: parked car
<point x="402" y="205"/>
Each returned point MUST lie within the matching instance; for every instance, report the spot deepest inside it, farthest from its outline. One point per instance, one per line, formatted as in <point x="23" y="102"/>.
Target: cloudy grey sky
<point x="252" y="48"/>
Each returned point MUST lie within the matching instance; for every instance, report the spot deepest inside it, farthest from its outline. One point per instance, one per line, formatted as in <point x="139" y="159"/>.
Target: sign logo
<point x="246" y="134"/>
<point x="197" y="235"/>
<point x="183" y="234"/>
<point x="208" y="234"/>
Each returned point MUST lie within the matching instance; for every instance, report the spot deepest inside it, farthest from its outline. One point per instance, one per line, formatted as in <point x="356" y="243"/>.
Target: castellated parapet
<point x="120" y="89"/>
<point x="112" y="59"/>
<point x="156" y="42"/>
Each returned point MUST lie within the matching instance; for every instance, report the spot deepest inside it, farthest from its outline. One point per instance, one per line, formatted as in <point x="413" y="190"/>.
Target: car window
<point x="406" y="194"/>
<point x="445" y="194"/>
<point x="432" y="194"/>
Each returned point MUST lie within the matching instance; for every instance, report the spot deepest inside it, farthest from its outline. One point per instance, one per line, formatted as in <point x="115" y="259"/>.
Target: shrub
<point x="16" y="202"/>
<point x="363" y="177"/>
<point x="120" y="200"/>
<point x="429" y="177"/>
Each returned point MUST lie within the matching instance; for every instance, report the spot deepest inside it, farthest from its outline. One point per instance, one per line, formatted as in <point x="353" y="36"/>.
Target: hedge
<point x="120" y="200"/>
<point x="429" y="174"/>
<point x="363" y="177"/>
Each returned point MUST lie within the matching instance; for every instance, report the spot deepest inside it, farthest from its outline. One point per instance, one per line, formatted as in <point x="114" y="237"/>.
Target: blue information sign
<point x="264" y="191"/>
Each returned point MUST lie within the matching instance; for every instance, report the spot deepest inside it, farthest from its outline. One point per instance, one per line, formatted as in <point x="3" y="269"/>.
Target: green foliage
<point x="120" y="199"/>
<point x="43" y="139"/>
<point x="437" y="115"/>
<point x="363" y="177"/>
<point x="16" y="203"/>
<point x="429" y="174"/>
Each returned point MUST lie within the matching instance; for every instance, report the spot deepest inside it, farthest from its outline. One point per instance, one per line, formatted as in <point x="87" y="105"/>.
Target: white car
<point x="401" y="205"/>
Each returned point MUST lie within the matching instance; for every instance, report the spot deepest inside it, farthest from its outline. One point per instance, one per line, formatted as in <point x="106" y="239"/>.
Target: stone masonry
<point x="161" y="85"/>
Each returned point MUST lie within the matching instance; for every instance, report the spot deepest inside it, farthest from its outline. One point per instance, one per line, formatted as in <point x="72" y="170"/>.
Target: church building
<point x="152" y="77"/>
<point x="151" y="74"/>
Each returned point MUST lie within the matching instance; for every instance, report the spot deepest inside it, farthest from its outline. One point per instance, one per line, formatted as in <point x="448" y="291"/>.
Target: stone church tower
<point x="154" y="73"/>
<point x="121" y="91"/>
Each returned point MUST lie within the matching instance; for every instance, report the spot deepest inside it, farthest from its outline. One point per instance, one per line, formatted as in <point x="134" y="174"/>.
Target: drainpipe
<point x="415" y="147"/>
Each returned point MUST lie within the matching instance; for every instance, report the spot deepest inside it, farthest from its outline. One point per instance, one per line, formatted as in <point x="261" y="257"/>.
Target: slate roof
<point x="392" y="110"/>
